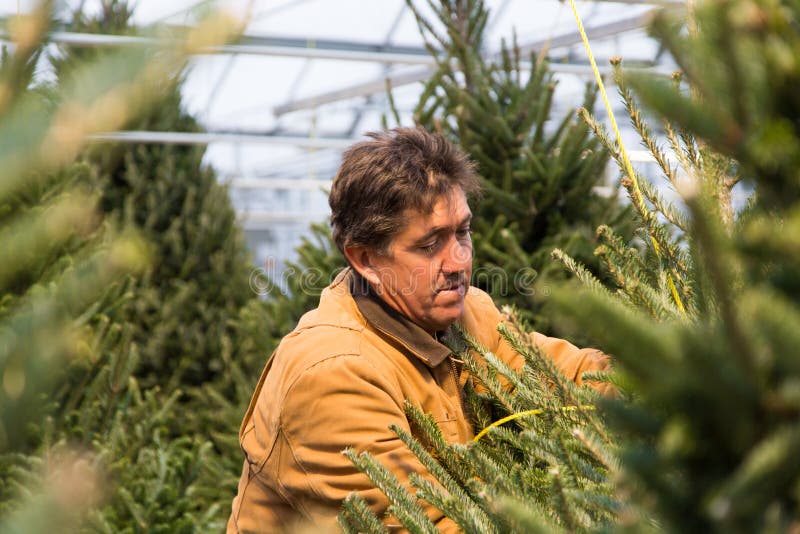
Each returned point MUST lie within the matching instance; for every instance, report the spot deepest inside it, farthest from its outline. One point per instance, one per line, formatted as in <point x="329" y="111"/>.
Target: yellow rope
<point x="513" y="416"/>
<point x="629" y="170"/>
<point x="626" y="161"/>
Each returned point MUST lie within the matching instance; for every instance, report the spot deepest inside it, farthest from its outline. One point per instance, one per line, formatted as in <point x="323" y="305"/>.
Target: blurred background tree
<point x="183" y="306"/>
<point x="95" y="288"/>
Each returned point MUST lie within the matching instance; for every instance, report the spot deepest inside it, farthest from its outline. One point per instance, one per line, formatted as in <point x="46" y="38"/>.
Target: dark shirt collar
<point x="397" y="326"/>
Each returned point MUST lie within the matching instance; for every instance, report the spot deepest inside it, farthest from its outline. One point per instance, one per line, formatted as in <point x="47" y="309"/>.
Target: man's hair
<point x="397" y="170"/>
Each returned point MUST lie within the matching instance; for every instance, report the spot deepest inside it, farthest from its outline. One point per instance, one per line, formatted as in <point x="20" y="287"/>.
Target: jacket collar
<point x="392" y="323"/>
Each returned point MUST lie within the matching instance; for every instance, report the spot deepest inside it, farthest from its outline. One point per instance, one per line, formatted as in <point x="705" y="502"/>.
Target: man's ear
<point x="362" y="259"/>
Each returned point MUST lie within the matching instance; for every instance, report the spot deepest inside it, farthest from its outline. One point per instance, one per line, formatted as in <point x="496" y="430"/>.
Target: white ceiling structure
<point x="309" y="77"/>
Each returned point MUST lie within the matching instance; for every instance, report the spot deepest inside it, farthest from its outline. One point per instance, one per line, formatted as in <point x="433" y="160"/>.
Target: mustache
<point x="453" y="282"/>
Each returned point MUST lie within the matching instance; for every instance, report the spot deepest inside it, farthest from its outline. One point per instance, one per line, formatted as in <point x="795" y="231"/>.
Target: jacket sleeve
<point x="338" y="403"/>
<point x="573" y="362"/>
<point x="569" y="359"/>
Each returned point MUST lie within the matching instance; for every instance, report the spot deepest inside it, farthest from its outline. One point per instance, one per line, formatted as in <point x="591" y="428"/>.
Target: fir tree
<point x="260" y="326"/>
<point x="185" y="304"/>
<point x="58" y="258"/>
<point x="710" y="441"/>
<point x="539" y="181"/>
<point x="701" y="313"/>
<point x="543" y="463"/>
<point x="54" y="244"/>
<point x="181" y="319"/>
<point x="66" y="337"/>
<point x="539" y="178"/>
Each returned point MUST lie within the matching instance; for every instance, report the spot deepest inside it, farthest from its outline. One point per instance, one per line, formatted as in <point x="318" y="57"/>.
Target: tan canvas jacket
<point x="339" y="380"/>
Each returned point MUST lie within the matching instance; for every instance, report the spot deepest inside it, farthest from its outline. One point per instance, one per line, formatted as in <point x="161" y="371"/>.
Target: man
<point x="401" y="218"/>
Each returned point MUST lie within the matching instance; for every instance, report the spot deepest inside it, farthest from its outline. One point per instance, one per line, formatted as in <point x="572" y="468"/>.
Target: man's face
<point x="427" y="271"/>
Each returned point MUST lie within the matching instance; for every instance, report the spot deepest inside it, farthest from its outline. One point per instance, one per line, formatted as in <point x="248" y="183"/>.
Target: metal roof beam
<point x="204" y="138"/>
<point x="599" y="31"/>
<point x="596" y="32"/>
<point x="399" y="80"/>
<point x="332" y="44"/>
<point x="362" y="89"/>
<point x="264" y="46"/>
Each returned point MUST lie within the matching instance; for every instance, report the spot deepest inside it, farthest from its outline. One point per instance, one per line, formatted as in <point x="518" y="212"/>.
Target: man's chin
<point x="449" y="316"/>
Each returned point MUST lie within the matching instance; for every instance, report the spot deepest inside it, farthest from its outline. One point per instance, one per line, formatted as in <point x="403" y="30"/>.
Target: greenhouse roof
<point x="309" y="77"/>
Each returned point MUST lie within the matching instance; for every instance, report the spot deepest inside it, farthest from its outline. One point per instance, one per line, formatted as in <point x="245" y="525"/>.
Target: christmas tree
<point x="199" y="276"/>
<point x="540" y="180"/>
<point x="700" y="314"/>
<point x="544" y="461"/>
<point x="82" y="438"/>
<point x="710" y="439"/>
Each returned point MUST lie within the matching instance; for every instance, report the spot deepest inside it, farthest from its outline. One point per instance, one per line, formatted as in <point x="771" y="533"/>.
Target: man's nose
<point x="457" y="256"/>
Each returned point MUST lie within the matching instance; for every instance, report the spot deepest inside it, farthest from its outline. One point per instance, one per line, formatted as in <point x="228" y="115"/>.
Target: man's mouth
<point x="457" y="287"/>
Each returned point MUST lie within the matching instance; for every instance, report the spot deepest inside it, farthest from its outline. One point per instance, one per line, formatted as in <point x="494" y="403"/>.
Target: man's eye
<point x="429" y="248"/>
<point x="463" y="232"/>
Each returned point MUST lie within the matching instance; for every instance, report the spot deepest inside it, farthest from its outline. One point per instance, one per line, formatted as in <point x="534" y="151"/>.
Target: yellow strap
<point x="513" y="416"/>
<point x="624" y="153"/>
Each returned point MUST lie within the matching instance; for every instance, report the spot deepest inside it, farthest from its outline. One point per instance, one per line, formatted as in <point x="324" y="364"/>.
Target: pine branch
<point x="635" y="114"/>
<point x="469" y="517"/>
<point x="357" y="517"/>
<point x="434" y="467"/>
<point x="564" y="389"/>
<point x="678" y="149"/>
<point x="648" y="217"/>
<point x="561" y="502"/>
<point x="526" y="518"/>
<point x="584" y="276"/>
<point x="666" y="209"/>
<point x="599" y="448"/>
<point x="722" y="280"/>
<point x="485" y="376"/>
<point x="431" y="436"/>
<point x="497" y="473"/>
<point x="403" y="505"/>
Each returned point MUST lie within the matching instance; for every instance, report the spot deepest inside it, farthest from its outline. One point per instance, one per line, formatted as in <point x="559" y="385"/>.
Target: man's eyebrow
<point x="438" y="229"/>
